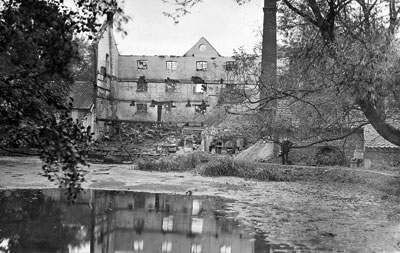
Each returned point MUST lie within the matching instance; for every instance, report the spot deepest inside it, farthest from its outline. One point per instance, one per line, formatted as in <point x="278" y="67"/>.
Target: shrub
<point x="193" y="159"/>
<point x="182" y="162"/>
<point x="227" y="166"/>
<point x="162" y="164"/>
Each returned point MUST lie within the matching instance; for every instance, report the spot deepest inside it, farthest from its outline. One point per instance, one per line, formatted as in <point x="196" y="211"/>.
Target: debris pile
<point x="133" y="141"/>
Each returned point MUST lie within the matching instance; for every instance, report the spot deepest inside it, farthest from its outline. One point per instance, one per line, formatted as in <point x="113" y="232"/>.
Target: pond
<point x="125" y="222"/>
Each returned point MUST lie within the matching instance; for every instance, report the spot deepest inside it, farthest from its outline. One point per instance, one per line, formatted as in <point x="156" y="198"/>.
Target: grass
<point x="219" y="165"/>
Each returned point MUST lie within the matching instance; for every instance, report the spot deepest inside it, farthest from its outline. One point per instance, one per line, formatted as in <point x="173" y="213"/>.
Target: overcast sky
<point x="224" y="23"/>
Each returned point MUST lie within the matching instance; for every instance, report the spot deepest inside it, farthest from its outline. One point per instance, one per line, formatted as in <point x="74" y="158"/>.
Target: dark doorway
<point x="159" y="112"/>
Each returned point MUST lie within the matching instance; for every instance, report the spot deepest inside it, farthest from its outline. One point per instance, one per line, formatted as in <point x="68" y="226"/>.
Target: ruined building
<point x="170" y="89"/>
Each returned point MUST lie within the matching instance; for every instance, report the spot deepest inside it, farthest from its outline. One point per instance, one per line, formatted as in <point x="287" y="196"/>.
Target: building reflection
<point x="122" y="222"/>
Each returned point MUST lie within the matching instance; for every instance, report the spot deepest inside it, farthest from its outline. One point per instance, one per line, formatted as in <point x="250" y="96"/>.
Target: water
<point x="124" y="222"/>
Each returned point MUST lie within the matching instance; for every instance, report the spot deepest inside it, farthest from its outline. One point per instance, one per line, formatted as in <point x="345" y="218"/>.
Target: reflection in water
<point x="122" y="222"/>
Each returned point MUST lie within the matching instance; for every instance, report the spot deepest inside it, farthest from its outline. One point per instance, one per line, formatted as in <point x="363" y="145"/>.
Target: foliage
<point x="37" y="53"/>
<point x="82" y="68"/>
<point x="181" y="162"/>
<point x="227" y="166"/>
<point x="342" y="66"/>
<point x="30" y="218"/>
<point x="164" y="164"/>
<point x="193" y="159"/>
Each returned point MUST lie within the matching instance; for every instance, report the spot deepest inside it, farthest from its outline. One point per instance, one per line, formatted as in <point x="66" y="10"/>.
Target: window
<point x="170" y="87"/>
<point x="139" y="202"/>
<point x="138" y="246"/>
<point x="202" y="48"/>
<point x="230" y="65"/>
<point x="103" y="71"/>
<point x="107" y="58"/>
<point x="141" y="85"/>
<point x="196" y="207"/>
<point x="166" y="247"/>
<point x="138" y="224"/>
<point x="142" y="64"/>
<point x="168" y="223"/>
<point x="141" y="109"/>
<point x="169" y="106"/>
<point x="196" y="248"/>
<point x="225" y="249"/>
<point x="231" y="86"/>
<point x="200" y="88"/>
<point x="172" y="65"/>
<point x="201" y="65"/>
<point x="197" y="226"/>
<point x="202" y="108"/>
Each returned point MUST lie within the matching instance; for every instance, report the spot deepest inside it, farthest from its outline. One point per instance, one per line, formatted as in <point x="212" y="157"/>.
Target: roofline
<point x="184" y="55"/>
<point x="211" y="46"/>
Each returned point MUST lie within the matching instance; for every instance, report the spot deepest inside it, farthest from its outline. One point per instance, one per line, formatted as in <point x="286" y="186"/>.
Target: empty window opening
<point x="230" y="65"/>
<point x="196" y="248"/>
<point x="201" y="108"/>
<point x="225" y="249"/>
<point x="141" y="108"/>
<point x="138" y="246"/>
<point x="103" y="71"/>
<point x="200" y="88"/>
<point x="171" y="65"/>
<point x="168" y="223"/>
<point x="201" y="65"/>
<point x="141" y="85"/>
<point x="142" y="64"/>
<point x="170" y="85"/>
<point x="166" y="247"/>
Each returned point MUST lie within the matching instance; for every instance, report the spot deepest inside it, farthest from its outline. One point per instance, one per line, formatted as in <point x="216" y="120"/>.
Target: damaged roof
<point x="82" y="95"/>
<point x="374" y="140"/>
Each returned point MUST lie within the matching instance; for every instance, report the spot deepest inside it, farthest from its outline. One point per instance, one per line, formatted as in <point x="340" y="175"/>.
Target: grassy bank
<point x="215" y="166"/>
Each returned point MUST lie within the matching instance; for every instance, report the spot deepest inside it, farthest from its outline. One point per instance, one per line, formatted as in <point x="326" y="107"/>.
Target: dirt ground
<point x="324" y="216"/>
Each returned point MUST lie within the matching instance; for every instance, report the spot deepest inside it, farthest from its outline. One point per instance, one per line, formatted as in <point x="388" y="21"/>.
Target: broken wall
<point x="170" y="106"/>
<point x="187" y="88"/>
<point x="185" y="68"/>
<point x="106" y="78"/>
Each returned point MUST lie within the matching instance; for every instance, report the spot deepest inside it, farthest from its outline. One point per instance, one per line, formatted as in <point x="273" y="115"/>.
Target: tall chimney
<point x="269" y="50"/>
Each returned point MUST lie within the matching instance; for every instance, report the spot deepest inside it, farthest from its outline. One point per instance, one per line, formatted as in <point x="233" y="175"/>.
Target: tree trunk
<point x="377" y="119"/>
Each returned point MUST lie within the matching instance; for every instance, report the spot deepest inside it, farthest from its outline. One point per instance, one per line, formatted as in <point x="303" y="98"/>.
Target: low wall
<point x="382" y="156"/>
<point x="308" y="155"/>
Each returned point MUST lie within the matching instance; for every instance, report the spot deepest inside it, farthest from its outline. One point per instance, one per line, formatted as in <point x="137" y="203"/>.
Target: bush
<point x="193" y="159"/>
<point x="182" y="162"/>
<point x="162" y="164"/>
<point x="227" y="166"/>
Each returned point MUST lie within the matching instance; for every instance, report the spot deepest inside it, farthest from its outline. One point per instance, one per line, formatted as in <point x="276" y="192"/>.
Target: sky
<point x="224" y="23"/>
